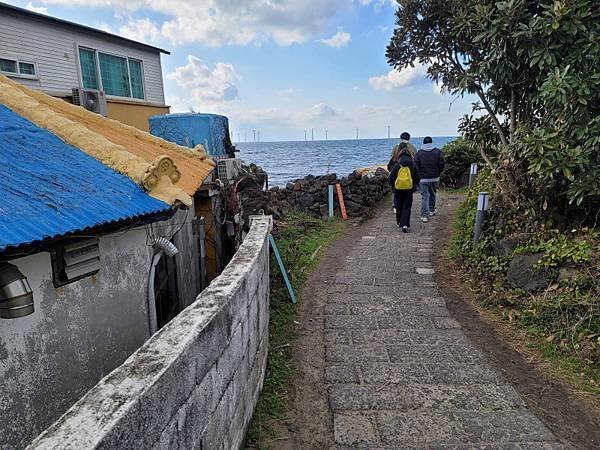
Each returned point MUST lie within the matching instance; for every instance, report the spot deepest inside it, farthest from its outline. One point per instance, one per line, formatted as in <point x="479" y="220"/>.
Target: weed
<point x="301" y="240"/>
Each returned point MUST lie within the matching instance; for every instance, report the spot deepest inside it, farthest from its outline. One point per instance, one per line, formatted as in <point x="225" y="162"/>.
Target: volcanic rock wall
<point x="310" y="195"/>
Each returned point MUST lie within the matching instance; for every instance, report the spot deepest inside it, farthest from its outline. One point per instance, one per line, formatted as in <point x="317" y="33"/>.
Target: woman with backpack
<point x="404" y="179"/>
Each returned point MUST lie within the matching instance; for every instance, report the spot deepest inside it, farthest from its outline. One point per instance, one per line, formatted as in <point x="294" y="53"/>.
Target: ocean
<point x="286" y="161"/>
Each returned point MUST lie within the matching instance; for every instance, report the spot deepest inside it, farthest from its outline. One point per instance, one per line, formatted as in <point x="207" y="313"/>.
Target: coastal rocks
<point x="310" y="194"/>
<point x="523" y="274"/>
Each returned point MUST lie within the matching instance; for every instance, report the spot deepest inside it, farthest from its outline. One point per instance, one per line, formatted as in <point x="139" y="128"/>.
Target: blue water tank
<point x="191" y="129"/>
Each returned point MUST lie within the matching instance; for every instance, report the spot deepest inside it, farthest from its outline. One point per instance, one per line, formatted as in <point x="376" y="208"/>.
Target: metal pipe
<point x="482" y="207"/>
<point x="16" y="296"/>
<point x="330" y="198"/>
<point x="152" y="321"/>
<point x="473" y="174"/>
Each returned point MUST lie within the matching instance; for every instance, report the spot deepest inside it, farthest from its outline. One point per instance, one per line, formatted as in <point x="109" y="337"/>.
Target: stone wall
<point x="195" y="383"/>
<point x="310" y="194"/>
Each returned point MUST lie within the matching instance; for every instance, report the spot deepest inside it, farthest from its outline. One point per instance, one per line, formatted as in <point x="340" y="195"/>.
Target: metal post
<point x="482" y="207"/>
<point x="472" y="174"/>
<point x="330" y="192"/>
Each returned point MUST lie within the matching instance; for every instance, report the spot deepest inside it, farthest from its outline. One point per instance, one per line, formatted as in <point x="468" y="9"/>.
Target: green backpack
<point x="404" y="180"/>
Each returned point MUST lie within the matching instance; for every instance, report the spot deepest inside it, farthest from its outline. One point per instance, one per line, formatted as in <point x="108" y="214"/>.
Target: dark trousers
<point x="403" y="201"/>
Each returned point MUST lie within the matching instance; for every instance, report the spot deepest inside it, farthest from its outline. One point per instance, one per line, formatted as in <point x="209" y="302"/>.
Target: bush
<point x="565" y="318"/>
<point x="459" y="155"/>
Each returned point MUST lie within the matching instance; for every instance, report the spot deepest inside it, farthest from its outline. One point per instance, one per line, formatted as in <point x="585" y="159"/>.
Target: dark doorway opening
<point x="166" y="295"/>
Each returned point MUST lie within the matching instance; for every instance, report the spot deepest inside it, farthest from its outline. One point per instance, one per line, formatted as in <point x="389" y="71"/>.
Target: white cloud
<point x="320" y="111"/>
<point x="222" y="22"/>
<point x="36" y="9"/>
<point x="142" y="30"/>
<point x="205" y="86"/>
<point x="397" y="79"/>
<point x="340" y="39"/>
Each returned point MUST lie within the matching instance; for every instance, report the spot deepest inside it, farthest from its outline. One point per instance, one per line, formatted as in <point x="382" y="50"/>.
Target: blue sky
<point x="281" y="66"/>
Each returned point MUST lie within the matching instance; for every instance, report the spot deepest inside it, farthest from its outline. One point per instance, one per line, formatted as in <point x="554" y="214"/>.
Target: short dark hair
<point x="403" y="149"/>
<point x="405" y="136"/>
<point x="428" y="140"/>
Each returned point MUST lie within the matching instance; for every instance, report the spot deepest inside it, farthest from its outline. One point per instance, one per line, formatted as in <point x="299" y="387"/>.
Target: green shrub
<point x="459" y="155"/>
<point x="564" y="319"/>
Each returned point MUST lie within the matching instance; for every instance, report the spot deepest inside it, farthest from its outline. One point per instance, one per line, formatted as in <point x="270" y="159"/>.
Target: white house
<point x="56" y="55"/>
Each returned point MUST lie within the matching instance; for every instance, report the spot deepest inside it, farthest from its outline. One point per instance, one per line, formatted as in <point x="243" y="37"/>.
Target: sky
<point x="278" y="66"/>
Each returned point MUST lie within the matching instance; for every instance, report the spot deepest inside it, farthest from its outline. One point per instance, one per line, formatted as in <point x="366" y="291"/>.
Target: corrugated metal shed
<point x="50" y="189"/>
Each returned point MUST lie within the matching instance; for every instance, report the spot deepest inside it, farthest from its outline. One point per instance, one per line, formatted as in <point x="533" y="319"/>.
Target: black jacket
<point x="404" y="161"/>
<point x="430" y="163"/>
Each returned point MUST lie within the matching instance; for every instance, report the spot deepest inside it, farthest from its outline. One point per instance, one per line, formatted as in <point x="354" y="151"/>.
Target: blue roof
<point x="50" y="189"/>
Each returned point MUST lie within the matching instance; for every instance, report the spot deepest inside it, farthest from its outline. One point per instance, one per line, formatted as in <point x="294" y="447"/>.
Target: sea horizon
<point x="286" y="161"/>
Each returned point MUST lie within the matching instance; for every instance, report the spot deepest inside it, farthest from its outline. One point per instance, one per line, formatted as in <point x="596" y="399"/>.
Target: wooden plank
<point x="282" y="268"/>
<point x="341" y="201"/>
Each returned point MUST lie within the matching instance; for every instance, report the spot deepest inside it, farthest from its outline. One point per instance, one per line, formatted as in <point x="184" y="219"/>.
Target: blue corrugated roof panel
<point x="50" y="189"/>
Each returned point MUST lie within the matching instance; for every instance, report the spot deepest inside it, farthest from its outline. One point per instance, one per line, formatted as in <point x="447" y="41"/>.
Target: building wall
<point x="195" y="383"/>
<point x="53" y="48"/>
<point x="77" y="334"/>
<point x="134" y="114"/>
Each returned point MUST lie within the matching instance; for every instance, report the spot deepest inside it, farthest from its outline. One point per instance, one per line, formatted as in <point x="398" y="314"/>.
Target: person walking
<point x="430" y="164"/>
<point x="412" y="151"/>
<point x="404" y="179"/>
<point x="405" y="137"/>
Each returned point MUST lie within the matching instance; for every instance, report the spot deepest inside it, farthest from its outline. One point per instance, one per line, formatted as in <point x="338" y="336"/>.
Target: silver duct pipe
<point x="16" y="296"/>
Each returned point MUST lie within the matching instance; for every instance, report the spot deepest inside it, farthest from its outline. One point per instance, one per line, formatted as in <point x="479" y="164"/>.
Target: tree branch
<point x="491" y="113"/>
<point x="513" y="113"/>
<point x="479" y="91"/>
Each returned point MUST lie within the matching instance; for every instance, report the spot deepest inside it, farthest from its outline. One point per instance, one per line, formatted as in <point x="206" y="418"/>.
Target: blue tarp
<point x="50" y="189"/>
<point x="191" y="129"/>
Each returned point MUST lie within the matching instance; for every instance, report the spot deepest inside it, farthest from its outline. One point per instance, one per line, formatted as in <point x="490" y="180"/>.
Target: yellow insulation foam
<point x="101" y="138"/>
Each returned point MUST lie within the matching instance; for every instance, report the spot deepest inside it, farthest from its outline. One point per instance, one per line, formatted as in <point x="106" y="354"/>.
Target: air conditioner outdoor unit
<point x="229" y="168"/>
<point x="91" y="99"/>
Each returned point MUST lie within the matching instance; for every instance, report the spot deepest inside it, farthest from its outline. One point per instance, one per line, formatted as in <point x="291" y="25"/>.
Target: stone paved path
<point x="400" y="373"/>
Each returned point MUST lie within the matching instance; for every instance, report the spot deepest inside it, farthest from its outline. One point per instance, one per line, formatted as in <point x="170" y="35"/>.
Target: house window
<point x="137" y="81"/>
<point x="116" y="75"/>
<point x="16" y="67"/>
<point x="26" y="68"/>
<point x="6" y="65"/>
<point x="89" y="71"/>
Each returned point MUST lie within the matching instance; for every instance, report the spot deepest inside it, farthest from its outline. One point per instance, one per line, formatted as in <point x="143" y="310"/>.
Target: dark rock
<point x="568" y="273"/>
<point x="523" y="274"/>
<point x="324" y="210"/>
<point x="506" y="246"/>
<point x="248" y="184"/>
<point x="306" y="200"/>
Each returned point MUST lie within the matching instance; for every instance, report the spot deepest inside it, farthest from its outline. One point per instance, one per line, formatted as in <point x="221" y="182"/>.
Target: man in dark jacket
<point x="430" y="164"/>
<point x="403" y="198"/>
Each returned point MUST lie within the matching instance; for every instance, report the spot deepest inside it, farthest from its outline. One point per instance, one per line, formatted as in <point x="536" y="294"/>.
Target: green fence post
<point x="282" y="268"/>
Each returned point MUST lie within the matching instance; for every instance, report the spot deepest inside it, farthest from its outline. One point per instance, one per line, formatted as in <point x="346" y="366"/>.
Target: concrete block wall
<point x="195" y="383"/>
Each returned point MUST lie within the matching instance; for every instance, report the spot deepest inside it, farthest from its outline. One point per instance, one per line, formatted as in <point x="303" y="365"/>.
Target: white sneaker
<point x="424" y="219"/>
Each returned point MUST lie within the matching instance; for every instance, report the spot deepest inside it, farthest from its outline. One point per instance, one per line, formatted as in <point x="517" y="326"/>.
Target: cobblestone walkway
<point x="399" y="371"/>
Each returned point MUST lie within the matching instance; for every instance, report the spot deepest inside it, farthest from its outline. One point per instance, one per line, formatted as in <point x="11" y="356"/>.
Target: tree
<point x="534" y="65"/>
